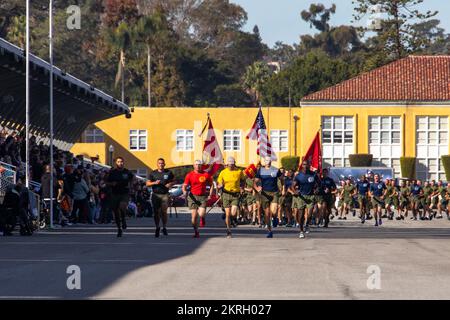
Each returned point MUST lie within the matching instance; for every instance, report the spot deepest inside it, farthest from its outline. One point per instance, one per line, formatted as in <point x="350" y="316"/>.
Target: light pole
<point x="27" y="96"/>
<point x="50" y="38"/>
<point x="111" y="152"/>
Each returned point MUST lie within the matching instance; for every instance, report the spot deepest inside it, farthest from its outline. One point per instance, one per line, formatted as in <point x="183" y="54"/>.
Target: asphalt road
<point x="411" y="260"/>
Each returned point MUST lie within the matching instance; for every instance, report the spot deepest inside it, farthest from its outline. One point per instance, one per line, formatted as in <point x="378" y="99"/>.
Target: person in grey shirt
<point x="80" y="199"/>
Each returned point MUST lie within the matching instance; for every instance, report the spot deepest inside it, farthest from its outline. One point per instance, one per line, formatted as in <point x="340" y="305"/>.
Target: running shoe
<point x="345" y="218"/>
<point x="297" y="225"/>
<point x="196" y="235"/>
<point x="307" y="229"/>
<point x="380" y="222"/>
<point x="398" y="218"/>
<point x="376" y="224"/>
<point x="228" y="234"/>
<point x="124" y="225"/>
<point x="331" y="217"/>
<point x="202" y="222"/>
<point x="354" y="213"/>
<point x="119" y="233"/>
<point x="165" y="232"/>
<point x="269" y="234"/>
<point x="302" y="235"/>
<point x="157" y="232"/>
<point x="384" y="216"/>
<point x="403" y="218"/>
<point x="363" y="219"/>
<point x="439" y="217"/>
<point x="223" y="216"/>
<point x="340" y="218"/>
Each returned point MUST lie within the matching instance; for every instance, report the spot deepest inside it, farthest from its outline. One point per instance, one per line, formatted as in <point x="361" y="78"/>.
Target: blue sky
<point x="280" y="19"/>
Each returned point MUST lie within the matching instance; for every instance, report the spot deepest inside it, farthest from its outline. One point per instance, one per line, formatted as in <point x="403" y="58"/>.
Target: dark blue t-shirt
<point x="377" y="188"/>
<point x="287" y="182"/>
<point x="327" y="185"/>
<point x="269" y="178"/>
<point x="306" y="182"/>
<point x="415" y="189"/>
<point x="363" y="187"/>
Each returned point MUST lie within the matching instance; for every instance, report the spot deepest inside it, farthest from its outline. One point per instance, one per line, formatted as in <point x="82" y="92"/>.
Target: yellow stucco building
<point x="401" y="109"/>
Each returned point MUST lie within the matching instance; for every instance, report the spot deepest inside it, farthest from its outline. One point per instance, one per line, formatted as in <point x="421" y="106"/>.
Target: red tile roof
<point x="415" y="78"/>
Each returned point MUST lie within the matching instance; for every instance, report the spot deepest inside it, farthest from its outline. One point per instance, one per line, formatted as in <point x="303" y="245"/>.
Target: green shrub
<point x="290" y="163"/>
<point x="408" y="167"/>
<point x="360" y="160"/>
<point x="446" y="163"/>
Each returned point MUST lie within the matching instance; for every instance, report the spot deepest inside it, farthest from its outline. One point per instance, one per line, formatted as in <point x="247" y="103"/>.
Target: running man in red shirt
<point x="197" y="197"/>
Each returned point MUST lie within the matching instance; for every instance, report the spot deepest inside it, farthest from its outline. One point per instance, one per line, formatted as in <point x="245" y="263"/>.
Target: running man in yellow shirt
<point x="230" y="180"/>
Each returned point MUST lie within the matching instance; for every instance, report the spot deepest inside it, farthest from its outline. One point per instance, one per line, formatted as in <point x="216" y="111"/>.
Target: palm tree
<point x="254" y="78"/>
<point x="120" y="39"/>
<point x="145" y="32"/>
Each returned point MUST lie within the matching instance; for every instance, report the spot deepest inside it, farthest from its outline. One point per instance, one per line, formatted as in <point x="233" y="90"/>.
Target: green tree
<point x="306" y="74"/>
<point x="254" y="79"/>
<point x="318" y="16"/>
<point x="336" y="41"/>
<point x="120" y="40"/>
<point x="16" y="31"/>
<point x="395" y="35"/>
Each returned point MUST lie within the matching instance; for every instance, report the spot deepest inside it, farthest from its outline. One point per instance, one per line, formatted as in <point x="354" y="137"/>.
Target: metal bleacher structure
<point x="76" y="104"/>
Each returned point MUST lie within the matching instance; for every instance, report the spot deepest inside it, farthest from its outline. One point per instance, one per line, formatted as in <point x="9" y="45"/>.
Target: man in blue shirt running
<point x="363" y="186"/>
<point x="377" y="193"/>
<point x="266" y="183"/>
<point x="305" y="187"/>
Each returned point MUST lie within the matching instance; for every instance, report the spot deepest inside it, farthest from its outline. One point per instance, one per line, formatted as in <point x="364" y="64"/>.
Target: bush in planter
<point x="408" y="167"/>
<point x="290" y="163"/>
<point x="446" y="163"/>
<point x="360" y="160"/>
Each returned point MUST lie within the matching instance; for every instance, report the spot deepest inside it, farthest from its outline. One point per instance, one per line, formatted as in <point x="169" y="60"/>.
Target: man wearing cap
<point x="230" y="180"/>
<point x="197" y="180"/>
<point x="268" y="177"/>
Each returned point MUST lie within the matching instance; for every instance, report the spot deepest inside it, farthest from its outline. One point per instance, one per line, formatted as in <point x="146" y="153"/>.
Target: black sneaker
<point x="228" y="234"/>
<point x="157" y="232"/>
<point x="124" y="225"/>
<point x="164" y="230"/>
<point x="119" y="233"/>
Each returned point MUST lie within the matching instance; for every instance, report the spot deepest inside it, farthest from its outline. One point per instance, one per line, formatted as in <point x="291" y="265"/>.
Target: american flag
<point x="259" y="132"/>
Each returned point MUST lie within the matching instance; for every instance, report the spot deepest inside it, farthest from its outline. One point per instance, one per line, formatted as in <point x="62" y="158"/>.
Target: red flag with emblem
<point x="314" y="155"/>
<point x="212" y="156"/>
<point x="250" y="171"/>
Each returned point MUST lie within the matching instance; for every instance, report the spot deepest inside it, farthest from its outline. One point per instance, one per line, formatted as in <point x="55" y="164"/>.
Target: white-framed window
<point x="138" y="140"/>
<point x="279" y="140"/>
<point x="431" y="143"/>
<point x="93" y="135"/>
<point x="185" y="140"/>
<point x="232" y="140"/>
<point x="337" y="140"/>
<point x="140" y="172"/>
<point x="385" y="142"/>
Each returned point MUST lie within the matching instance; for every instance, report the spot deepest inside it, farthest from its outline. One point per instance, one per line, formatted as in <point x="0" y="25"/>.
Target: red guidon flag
<point x="212" y="156"/>
<point x="250" y="171"/>
<point x="314" y="155"/>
